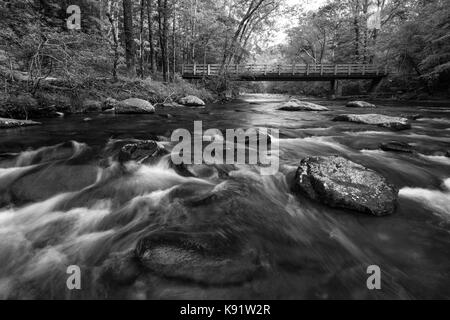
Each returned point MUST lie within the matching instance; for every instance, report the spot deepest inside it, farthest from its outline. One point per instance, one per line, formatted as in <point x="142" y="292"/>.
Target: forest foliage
<point x="152" y="39"/>
<point x="411" y="37"/>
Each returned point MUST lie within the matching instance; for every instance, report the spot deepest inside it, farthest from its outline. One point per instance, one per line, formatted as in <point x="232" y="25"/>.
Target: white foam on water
<point x="325" y="141"/>
<point x="368" y="133"/>
<point x="10" y="174"/>
<point x="427" y="137"/>
<point x="436" y="200"/>
<point x="374" y="152"/>
<point x="441" y="120"/>
<point x="26" y="158"/>
<point x="438" y="159"/>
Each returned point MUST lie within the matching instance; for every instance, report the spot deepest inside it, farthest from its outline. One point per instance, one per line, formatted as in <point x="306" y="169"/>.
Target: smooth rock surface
<point x="202" y="258"/>
<point x="340" y="183"/>
<point x="297" y="105"/>
<point x="192" y="101"/>
<point x="360" y="104"/>
<point x="134" y="106"/>
<point x="395" y="123"/>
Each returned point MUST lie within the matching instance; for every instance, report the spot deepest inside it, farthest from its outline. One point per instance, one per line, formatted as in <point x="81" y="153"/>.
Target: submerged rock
<point x="134" y="106"/>
<point x="397" y="146"/>
<point x="13" y="123"/>
<point x="340" y="183"/>
<point x="297" y="105"/>
<point x="199" y="257"/>
<point x="192" y="101"/>
<point x="360" y="104"/>
<point x="150" y="152"/>
<point x="395" y="123"/>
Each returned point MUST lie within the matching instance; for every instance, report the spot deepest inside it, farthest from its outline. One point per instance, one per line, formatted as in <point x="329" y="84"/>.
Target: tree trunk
<point x="141" y="41"/>
<point x="116" y="45"/>
<point x="150" y="35"/>
<point x="129" y="39"/>
<point x="163" y="26"/>
<point x="174" y="40"/>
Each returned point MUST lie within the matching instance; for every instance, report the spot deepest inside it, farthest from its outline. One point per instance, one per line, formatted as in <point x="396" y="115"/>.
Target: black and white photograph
<point x="227" y="155"/>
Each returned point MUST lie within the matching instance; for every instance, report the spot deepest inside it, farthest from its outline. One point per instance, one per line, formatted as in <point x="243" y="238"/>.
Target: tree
<point x="129" y="36"/>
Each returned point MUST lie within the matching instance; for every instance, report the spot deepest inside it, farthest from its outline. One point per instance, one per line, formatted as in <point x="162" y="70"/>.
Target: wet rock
<point x="134" y="106"/>
<point x="147" y="151"/>
<point x="297" y="105"/>
<point x="150" y="152"/>
<point x="360" y="104"/>
<point x="397" y="146"/>
<point x="109" y="104"/>
<point x="192" y="101"/>
<point x="13" y="123"/>
<point x="395" y="123"/>
<point x="202" y="258"/>
<point x="340" y="183"/>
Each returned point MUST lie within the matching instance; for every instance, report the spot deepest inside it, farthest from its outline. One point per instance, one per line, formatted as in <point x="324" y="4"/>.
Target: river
<point x="64" y="202"/>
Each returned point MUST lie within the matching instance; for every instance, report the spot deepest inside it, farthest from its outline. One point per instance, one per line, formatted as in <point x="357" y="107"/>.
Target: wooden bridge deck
<point x="297" y="72"/>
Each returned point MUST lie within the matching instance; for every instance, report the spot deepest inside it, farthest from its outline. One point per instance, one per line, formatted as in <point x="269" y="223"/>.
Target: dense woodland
<point x="147" y="41"/>
<point x="411" y="37"/>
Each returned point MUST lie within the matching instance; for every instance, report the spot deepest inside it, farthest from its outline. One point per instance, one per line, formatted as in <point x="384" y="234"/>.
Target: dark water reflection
<point x="61" y="207"/>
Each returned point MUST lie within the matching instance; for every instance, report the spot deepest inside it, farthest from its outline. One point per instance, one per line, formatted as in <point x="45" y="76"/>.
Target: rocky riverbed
<point x="104" y="195"/>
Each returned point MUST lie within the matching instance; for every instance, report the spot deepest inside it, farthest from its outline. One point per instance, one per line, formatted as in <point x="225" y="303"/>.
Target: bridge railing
<point x="198" y="70"/>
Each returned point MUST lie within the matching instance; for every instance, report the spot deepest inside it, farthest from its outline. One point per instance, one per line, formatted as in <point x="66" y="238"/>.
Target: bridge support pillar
<point x="336" y="88"/>
<point x="375" y="85"/>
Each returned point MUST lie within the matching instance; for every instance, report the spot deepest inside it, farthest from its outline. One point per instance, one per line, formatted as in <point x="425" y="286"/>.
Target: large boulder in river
<point x="340" y="183"/>
<point x="134" y="106"/>
<point x="297" y="105"/>
<point x="13" y="123"/>
<point x="360" y="104"/>
<point x="395" y="123"/>
<point x="149" y="152"/>
<point x="192" y="101"/>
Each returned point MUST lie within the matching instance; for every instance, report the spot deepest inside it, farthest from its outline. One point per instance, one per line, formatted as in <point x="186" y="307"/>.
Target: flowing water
<point x="64" y="201"/>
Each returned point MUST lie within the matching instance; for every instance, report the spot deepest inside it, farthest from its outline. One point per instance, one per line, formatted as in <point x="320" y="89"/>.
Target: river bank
<point x="57" y="98"/>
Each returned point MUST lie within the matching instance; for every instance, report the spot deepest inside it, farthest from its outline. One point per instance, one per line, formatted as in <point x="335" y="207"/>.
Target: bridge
<point x="295" y="72"/>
